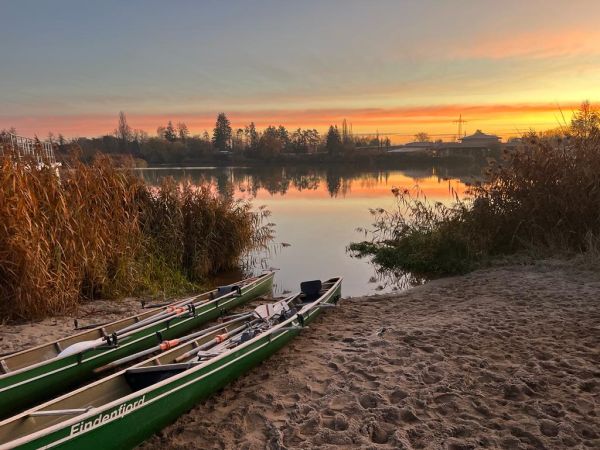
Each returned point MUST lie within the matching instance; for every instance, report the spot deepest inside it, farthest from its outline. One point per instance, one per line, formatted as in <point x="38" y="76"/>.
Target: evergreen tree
<point x="334" y="141"/>
<point x="284" y="136"/>
<point x="170" y="134"/>
<point x="222" y="133"/>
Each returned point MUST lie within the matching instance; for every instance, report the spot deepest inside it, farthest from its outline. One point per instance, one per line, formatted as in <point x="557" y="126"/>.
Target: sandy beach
<point x="501" y="358"/>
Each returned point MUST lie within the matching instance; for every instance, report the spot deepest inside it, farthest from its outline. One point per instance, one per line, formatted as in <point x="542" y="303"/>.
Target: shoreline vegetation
<point x="542" y="198"/>
<point x="98" y="231"/>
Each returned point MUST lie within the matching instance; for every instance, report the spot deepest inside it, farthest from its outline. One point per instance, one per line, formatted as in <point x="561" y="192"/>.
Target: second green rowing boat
<point x="31" y="376"/>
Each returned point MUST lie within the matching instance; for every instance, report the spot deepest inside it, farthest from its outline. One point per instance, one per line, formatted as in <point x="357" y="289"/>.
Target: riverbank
<point x="500" y="358"/>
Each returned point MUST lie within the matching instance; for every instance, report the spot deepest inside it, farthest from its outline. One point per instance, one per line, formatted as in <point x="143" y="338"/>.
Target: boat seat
<point x="310" y="290"/>
<point x="224" y="290"/>
<point x="142" y="377"/>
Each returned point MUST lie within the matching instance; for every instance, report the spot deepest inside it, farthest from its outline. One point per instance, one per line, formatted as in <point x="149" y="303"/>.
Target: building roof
<point x="419" y="144"/>
<point x="480" y="135"/>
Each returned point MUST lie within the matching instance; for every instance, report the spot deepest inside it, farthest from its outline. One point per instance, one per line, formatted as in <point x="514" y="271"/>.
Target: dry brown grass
<point x="197" y="231"/>
<point x="62" y="238"/>
<point x="99" y="231"/>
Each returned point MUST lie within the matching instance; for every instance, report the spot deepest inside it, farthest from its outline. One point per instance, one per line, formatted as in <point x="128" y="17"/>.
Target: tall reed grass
<point x="542" y="197"/>
<point x="100" y="231"/>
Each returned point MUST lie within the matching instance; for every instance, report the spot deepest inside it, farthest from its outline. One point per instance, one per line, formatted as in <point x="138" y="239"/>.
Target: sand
<point x="17" y="337"/>
<point x="501" y="358"/>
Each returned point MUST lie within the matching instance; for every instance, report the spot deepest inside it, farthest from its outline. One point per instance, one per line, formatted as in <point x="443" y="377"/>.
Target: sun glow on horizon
<point x="400" y="124"/>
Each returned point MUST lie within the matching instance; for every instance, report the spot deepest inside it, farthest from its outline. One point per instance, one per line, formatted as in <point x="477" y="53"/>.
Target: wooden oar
<point x="165" y="345"/>
<point x="263" y="313"/>
<point x="173" y="311"/>
<point x="221" y="338"/>
<point x="176" y="311"/>
<point x="189" y="299"/>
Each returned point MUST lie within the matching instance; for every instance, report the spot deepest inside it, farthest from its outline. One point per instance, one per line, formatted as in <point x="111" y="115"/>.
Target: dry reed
<point x="99" y="231"/>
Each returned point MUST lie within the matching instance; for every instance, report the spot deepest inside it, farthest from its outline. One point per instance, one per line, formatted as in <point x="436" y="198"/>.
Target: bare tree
<point x="422" y="137"/>
<point x="182" y="131"/>
<point x="123" y="131"/>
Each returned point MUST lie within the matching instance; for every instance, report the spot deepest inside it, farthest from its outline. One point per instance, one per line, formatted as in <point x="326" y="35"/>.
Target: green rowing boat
<point x="123" y="409"/>
<point x="36" y="374"/>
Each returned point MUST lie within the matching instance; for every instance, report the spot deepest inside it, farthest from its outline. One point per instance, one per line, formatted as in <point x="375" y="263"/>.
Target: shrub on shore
<point x="544" y="196"/>
<point x="100" y="231"/>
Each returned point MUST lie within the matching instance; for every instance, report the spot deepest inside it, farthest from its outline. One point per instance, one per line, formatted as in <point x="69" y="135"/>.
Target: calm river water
<point x="317" y="212"/>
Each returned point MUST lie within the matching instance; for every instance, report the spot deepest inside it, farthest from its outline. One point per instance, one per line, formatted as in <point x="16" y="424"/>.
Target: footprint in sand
<point x="377" y="433"/>
<point x="408" y="416"/>
<point x="337" y="423"/>
<point x="444" y="398"/>
<point x="369" y="401"/>
<point x="397" y="396"/>
<point x="454" y="444"/>
<point x="548" y="428"/>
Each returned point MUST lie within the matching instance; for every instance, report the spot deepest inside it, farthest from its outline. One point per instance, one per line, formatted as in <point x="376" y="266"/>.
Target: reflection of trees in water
<point x="334" y="183"/>
<point x="337" y="180"/>
<point x="372" y="180"/>
<point x="306" y="181"/>
<point x="389" y="280"/>
<point x="276" y="180"/>
<point x="224" y="184"/>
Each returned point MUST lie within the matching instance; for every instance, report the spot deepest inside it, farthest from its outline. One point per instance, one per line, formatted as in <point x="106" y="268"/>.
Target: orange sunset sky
<point x="387" y="66"/>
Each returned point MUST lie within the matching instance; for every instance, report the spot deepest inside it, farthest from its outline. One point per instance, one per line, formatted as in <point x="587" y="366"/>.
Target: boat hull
<point x="146" y="414"/>
<point x="40" y="383"/>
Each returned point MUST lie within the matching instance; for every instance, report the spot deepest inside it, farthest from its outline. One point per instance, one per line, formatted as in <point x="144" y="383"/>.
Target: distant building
<point x="478" y="144"/>
<point x="480" y="140"/>
<point x="419" y="146"/>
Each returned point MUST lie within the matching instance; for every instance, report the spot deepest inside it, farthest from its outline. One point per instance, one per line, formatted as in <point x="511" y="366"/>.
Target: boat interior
<point x="147" y="373"/>
<point x="28" y="357"/>
<point x="100" y="393"/>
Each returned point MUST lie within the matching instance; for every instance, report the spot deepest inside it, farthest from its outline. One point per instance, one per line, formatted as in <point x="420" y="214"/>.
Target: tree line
<point x="174" y="143"/>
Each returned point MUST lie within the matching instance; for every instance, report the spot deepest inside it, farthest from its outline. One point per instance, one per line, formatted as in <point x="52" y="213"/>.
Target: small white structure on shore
<point x="42" y="153"/>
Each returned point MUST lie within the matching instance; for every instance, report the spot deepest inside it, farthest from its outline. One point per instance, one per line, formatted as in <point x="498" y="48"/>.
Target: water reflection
<point x="317" y="211"/>
<point x="338" y="181"/>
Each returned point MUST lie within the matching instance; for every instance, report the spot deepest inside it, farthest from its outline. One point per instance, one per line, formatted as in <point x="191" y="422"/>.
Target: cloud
<point x="534" y="44"/>
<point x="401" y="119"/>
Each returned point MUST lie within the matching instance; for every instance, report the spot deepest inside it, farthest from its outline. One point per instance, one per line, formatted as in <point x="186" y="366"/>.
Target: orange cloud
<point x="409" y="119"/>
<point x="534" y="43"/>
